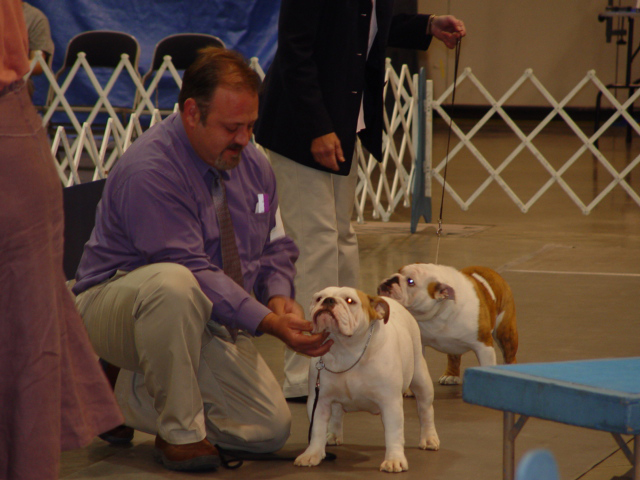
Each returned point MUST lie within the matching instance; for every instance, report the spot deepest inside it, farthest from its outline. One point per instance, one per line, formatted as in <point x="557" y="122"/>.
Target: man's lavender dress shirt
<point x="157" y="207"/>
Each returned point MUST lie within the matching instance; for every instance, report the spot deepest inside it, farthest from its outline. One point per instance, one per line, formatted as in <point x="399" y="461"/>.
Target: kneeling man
<point x="186" y="231"/>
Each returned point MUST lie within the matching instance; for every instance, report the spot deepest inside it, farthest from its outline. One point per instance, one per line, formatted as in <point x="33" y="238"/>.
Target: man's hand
<point x="448" y="29"/>
<point x="291" y="328"/>
<point x="280" y="304"/>
<point x="327" y="151"/>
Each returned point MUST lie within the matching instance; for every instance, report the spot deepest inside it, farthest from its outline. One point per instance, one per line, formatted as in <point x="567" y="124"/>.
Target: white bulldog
<point x="458" y="311"/>
<point x="376" y="355"/>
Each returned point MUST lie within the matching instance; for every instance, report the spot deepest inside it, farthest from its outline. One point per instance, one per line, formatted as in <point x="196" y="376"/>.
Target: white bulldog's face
<point x="417" y="287"/>
<point x="344" y="310"/>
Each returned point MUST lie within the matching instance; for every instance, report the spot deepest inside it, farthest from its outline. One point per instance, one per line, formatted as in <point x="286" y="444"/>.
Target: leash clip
<point x="320" y="366"/>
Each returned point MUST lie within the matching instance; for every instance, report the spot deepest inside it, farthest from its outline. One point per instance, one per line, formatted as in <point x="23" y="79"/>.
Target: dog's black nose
<point x="392" y="280"/>
<point x="385" y="287"/>
<point x="329" y="302"/>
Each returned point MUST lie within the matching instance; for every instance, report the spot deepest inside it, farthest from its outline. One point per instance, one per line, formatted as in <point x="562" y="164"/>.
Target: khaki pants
<point x="316" y="210"/>
<point x="182" y="376"/>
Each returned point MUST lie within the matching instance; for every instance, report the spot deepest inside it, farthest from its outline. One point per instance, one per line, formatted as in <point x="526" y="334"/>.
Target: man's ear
<point x="191" y="112"/>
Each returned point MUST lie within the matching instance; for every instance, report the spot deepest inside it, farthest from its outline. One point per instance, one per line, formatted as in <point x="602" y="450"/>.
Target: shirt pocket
<point x="258" y="226"/>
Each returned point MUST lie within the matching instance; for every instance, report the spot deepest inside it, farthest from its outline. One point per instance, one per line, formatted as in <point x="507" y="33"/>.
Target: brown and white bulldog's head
<point x="345" y="311"/>
<point x="419" y="287"/>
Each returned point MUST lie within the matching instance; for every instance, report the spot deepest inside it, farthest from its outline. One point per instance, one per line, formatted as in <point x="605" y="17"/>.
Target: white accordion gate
<point x="408" y="166"/>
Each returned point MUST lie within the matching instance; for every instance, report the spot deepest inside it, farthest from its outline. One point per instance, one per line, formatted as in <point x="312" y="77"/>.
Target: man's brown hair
<point x="215" y="67"/>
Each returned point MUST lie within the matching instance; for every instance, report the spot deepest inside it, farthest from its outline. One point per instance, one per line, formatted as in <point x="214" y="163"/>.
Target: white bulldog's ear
<point x="380" y="307"/>
<point x="441" y="291"/>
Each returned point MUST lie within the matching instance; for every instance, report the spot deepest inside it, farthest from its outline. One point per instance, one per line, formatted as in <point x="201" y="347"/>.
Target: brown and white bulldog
<point x="458" y="311"/>
<point x="376" y="355"/>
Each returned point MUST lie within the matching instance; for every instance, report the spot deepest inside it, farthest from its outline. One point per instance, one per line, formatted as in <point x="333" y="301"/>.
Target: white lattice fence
<point x="387" y="183"/>
<point x="382" y="186"/>
<point x="494" y="174"/>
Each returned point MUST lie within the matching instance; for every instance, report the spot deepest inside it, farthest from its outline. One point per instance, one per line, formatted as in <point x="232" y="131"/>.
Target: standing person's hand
<point x="327" y="151"/>
<point x="447" y="29"/>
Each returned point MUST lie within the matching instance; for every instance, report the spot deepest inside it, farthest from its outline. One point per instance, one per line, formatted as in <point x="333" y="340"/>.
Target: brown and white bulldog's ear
<point x="441" y="291"/>
<point x="380" y="308"/>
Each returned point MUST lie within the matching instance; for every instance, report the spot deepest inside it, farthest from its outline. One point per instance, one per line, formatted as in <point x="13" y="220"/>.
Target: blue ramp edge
<point x="420" y="202"/>
<point x="598" y="394"/>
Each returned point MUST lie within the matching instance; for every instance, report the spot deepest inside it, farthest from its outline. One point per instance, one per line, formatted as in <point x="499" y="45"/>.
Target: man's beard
<point x="231" y="162"/>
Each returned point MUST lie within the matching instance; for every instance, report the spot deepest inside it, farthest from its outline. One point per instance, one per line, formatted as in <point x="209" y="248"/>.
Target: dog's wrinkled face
<point x="344" y="310"/>
<point x="417" y="287"/>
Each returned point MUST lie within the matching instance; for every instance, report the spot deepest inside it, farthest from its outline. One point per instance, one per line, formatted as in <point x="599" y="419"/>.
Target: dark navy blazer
<point x="321" y="70"/>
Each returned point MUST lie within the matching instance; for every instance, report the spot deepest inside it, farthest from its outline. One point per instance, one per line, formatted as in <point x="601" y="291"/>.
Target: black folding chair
<point x="183" y="49"/>
<point x="80" y="203"/>
<point x="103" y="50"/>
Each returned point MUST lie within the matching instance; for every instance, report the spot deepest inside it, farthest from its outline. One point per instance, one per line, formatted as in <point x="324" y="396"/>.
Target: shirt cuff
<point x="278" y="286"/>
<point x="250" y="314"/>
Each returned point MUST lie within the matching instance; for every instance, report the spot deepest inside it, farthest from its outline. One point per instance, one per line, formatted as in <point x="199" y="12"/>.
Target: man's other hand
<point x="294" y="331"/>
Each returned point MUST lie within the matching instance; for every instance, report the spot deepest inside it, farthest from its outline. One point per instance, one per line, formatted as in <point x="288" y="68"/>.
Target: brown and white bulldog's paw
<point x="449" y="380"/>
<point x="395" y="465"/>
<point x="408" y="393"/>
<point x="431" y="443"/>
<point x="334" y="439"/>
<point x="309" y="458"/>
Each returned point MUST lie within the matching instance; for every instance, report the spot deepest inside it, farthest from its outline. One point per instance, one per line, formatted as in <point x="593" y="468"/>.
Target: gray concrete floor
<point x="576" y="281"/>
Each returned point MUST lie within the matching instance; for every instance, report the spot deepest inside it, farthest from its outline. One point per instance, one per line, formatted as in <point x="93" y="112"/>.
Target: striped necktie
<point x="228" y="247"/>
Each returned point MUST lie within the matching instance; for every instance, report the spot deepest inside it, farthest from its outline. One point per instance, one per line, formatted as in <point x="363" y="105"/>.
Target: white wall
<point x="561" y="40"/>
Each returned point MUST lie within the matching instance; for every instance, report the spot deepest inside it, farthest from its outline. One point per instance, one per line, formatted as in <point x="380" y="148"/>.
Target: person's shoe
<point x="121" y="435"/>
<point x="191" y="457"/>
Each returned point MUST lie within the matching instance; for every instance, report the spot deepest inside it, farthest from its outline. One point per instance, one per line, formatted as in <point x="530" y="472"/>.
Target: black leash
<point x="446" y="161"/>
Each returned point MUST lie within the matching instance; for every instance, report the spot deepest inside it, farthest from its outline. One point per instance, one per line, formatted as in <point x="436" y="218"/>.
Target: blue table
<point x="597" y="394"/>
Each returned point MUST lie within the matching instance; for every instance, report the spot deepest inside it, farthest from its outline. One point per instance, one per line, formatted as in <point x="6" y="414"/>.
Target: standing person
<point x="53" y="394"/>
<point x="325" y="85"/>
<point x="157" y="285"/>
<point x="39" y="34"/>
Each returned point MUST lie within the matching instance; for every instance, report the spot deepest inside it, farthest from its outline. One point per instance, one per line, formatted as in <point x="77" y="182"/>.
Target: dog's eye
<point x="410" y="282"/>
<point x="350" y="300"/>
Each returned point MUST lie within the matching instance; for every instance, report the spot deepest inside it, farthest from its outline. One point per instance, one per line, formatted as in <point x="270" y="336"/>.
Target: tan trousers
<point x="182" y="377"/>
<point x="316" y="210"/>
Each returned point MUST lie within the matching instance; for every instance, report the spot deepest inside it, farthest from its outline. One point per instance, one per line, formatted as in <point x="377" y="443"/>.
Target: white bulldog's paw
<point x="449" y="380"/>
<point x="334" y="439"/>
<point x="309" y="459"/>
<point x="395" y="465"/>
<point x="431" y="443"/>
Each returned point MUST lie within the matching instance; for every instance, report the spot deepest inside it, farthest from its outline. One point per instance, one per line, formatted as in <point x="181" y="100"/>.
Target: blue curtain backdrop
<point x="248" y="26"/>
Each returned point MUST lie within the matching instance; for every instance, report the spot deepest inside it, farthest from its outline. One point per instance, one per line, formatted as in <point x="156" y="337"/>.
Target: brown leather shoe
<point x="191" y="457"/>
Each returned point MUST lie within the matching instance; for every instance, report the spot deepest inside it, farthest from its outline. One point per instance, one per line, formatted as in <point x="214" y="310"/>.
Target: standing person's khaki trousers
<point x="316" y="209"/>
<point x="182" y="377"/>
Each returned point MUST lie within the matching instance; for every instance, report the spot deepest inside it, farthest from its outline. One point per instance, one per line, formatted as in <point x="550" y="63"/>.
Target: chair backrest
<point x="537" y="464"/>
<point x="80" y="203"/>
<point x="183" y="48"/>
<point x="103" y="48"/>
